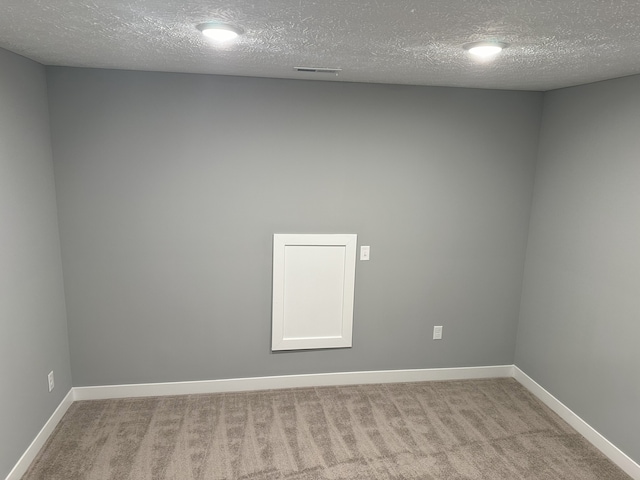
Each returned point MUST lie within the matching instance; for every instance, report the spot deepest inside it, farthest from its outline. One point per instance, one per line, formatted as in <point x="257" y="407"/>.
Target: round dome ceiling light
<point x="220" y="32"/>
<point x="485" y="50"/>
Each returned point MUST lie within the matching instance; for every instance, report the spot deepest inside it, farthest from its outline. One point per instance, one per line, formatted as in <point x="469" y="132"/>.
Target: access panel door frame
<point x="313" y="290"/>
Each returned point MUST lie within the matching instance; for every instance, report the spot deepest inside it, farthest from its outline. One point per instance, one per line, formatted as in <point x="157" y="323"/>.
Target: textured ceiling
<point x="553" y="43"/>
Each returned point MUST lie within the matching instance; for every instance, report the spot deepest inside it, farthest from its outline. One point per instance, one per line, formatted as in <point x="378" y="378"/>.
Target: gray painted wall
<point x="580" y="318"/>
<point x="171" y="186"/>
<point x="33" y="330"/>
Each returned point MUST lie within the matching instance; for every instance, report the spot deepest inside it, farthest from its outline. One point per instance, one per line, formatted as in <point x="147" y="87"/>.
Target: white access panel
<point x="313" y="287"/>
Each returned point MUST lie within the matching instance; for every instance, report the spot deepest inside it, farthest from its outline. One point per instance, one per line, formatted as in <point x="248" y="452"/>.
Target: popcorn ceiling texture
<point x="554" y="43"/>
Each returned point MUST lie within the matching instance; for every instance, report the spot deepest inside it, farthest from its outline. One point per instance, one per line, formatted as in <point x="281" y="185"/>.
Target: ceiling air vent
<point x="318" y="70"/>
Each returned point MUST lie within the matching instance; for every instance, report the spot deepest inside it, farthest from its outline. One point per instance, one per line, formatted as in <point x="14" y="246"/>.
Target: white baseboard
<point x="616" y="455"/>
<point x="30" y="454"/>
<point x="247" y="384"/>
<point x="324" y="379"/>
<point x="289" y="381"/>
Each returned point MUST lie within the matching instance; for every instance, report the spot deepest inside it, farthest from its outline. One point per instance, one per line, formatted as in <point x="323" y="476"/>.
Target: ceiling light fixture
<point x="485" y="50"/>
<point x="220" y="32"/>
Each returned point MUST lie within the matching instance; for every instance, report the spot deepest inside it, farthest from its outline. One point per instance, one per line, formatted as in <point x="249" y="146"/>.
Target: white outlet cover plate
<point x="437" y="333"/>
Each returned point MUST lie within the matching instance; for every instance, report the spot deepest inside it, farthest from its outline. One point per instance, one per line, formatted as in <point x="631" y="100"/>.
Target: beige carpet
<point x="472" y="429"/>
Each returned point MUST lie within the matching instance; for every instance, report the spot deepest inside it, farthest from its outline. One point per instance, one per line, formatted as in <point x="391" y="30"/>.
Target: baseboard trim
<point x="289" y="381"/>
<point x="32" y="451"/>
<point x="324" y="379"/>
<point x="616" y="455"/>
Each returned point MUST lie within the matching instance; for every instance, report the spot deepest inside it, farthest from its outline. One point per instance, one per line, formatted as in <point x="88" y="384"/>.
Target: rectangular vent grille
<point x="318" y="69"/>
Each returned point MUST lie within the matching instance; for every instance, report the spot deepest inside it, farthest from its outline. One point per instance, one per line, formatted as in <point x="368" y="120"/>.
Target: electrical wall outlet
<point x="51" y="382"/>
<point x="437" y="332"/>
